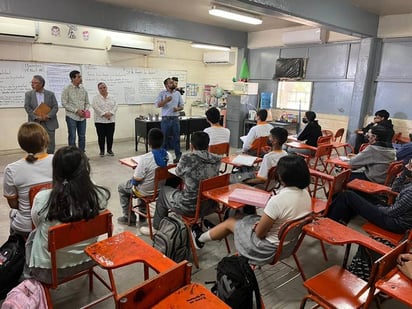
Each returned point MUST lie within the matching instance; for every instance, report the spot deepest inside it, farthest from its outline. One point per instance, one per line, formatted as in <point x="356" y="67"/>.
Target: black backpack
<point x="236" y="283"/>
<point x="172" y="238"/>
<point x="12" y="259"/>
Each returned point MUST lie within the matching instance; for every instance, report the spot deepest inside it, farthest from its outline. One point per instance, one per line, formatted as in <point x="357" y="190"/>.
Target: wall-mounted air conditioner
<point x="306" y="36"/>
<point x="125" y="42"/>
<point x="221" y="57"/>
<point x="16" y="31"/>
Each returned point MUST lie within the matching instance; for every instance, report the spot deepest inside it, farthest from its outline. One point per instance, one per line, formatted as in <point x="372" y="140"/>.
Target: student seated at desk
<point x="72" y="198"/>
<point x="310" y="134"/>
<point x="372" y="163"/>
<point x="142" y="182"/>
<point x="194" y="166"/>
<point x="276" y="139"/>
<point x="261" y="129"/>
<point x="216" y="132"/>
<point x="256" y="237"/>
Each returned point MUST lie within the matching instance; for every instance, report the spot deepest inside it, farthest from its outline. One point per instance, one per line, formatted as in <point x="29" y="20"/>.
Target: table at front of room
<point x="188" y="125"/>
<point x="291" y="127"/>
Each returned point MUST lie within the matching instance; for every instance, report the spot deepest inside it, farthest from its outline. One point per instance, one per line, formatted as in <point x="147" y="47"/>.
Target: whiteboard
<point x="129" y="85"/>
<point x="15" y="79"/>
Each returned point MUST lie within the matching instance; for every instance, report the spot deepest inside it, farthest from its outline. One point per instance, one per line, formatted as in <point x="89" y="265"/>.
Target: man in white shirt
<point x="261" y="129"/>
<point x="216" y="132"/>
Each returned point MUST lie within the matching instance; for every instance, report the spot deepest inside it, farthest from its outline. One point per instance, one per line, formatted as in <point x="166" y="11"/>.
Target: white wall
<point x="179" y="55"/>
<point x="392" y="26"/>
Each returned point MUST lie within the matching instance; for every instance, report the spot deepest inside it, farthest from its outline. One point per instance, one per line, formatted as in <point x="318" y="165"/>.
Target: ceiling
<point x="197" y="11"/>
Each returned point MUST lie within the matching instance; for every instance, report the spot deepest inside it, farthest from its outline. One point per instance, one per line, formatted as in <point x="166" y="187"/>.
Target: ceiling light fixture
<point x="213" y="47"/>
<point x="234" y="15"/>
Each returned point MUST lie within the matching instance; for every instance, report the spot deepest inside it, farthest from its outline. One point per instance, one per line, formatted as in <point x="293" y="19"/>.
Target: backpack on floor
<point x="28" y="294"/>
<point x="172" y="238"/>
<point x="12" y="259"/>
<point x="236" y="283"/>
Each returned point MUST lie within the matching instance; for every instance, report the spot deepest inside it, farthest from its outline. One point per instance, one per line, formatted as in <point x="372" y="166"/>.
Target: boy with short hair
<point x="216" y="132"/>
<point x="262" y="128"/>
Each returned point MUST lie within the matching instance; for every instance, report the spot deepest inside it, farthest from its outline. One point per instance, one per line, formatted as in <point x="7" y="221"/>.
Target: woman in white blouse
<point x="105" y="107"/>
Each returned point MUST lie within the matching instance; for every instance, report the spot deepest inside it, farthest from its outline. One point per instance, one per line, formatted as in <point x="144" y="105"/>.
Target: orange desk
<point x="299" y="145"/>
<point x="221" y="195"/>
<point x="338" y="162"/>
<point x="128" y="162"/>
<point x="191" y="296"/>
<point x="396" y="285"/>
<point x="367" y="186"/>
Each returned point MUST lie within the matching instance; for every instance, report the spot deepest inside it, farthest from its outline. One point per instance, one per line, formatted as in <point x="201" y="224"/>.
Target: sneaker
<point x="208" y="225"/>
<point x="196" y="232"/>
<point x="101" y="154"/>
<point x="123" y="220"/>
<point x="144" y="230"/>
<point x="110" y="153"/>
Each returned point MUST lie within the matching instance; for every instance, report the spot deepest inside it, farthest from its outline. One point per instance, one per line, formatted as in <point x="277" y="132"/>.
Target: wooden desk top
<point x="396" y="285"/>
<point x="221" y="195"/>
<point x="338" y="234"/>
<point x="191" y="296"/>
<point x="126" y="248"/>
<point x="229" y="159"/>
<point x="128" y="162"/>
<point x="367" y="186"/>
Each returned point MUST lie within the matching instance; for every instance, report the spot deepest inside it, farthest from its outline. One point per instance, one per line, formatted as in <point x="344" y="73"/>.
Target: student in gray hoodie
<point x="373" y="162"/>
<point x="194" y="166"/>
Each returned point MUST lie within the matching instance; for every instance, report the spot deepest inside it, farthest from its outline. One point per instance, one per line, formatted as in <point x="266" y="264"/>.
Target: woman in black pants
<point x="105" y="107"/>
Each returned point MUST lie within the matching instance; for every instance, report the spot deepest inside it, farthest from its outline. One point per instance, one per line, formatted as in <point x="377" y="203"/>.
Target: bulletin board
<point x="129" y="85"/>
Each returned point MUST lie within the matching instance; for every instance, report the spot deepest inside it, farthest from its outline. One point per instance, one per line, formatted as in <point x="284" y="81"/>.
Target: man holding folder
<point x="41" y="106"/>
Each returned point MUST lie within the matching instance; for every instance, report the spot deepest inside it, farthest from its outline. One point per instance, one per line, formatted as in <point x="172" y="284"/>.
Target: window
<point x="292" y="95"/>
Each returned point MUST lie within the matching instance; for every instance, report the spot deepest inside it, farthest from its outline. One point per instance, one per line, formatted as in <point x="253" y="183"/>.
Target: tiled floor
<point x="108" y="172"/>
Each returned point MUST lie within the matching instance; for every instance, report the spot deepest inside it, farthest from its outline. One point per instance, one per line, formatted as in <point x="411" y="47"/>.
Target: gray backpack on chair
<point x="172" y="238"/>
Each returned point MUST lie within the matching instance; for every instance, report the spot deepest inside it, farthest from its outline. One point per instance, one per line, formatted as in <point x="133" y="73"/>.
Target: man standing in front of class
<point x="76" y="102"/>
<point x="171" y="103"/>
<point x="32" y="101"/>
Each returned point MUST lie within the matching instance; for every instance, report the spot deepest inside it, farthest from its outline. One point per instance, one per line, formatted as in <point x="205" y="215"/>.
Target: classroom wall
<point x="179" y="55"/>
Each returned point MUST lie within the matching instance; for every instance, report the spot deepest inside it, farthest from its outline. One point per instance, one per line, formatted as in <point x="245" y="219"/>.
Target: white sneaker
<point x="144" y="230"/>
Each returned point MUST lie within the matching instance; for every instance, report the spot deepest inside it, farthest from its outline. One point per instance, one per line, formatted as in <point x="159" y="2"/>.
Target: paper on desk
<point x="172" y="170"/>
<point x="344" y="158"/>
<point x="243" y="138"/>
<point x="136" y="159"/>
<point x="244" y="160"/>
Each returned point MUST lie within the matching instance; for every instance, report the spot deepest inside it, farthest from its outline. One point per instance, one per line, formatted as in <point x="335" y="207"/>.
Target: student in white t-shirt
<point x="216" y="132"/>
<point x="256" y="237"/>
<point x="19" y="176"/>
<point x="276" y="139"/>
<point x="262" y="128"/>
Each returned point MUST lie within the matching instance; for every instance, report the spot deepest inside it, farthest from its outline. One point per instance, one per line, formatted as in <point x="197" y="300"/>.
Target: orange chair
<point x="261" y="145"/>
<point x="363" y="147"/>
<point x="150" y="292"/>
<point x="66" y="234"/>
<point x="336" y="287"/>
<point x="36" y="189"/>
<point x="377" y="231"/>
<point x="318" y="161"/>
<point x="327" y="133"/>
<point x="220" y="149"/>
<point x="161" y="174"/>
<point x="272" y="182"/>
<point x="326" y="139"/>
<point x="337" y="143"/>
<point x="206" y="184"/>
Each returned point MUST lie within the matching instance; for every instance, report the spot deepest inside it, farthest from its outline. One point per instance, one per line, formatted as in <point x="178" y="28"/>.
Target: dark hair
<point x="32" y="138"/>
<point x="101" y="83"/>
<point x="293" y="171"/>
<point x="383" y="136"/>
<point x="263" y="114"/>
<point x="174" y="78"/>
<point x="155" y="137"/>
<point x="200" y="140"/>
<point x="310" y="116"/>
<point x="166" y="81"/>
<point x="74" y="196"/>
<point x="73" y="74"/>
<point x="40" y="79"/>
<point x="383" y="113"/>
<point x="213" y="115"/>
<point x="280" y="134"/>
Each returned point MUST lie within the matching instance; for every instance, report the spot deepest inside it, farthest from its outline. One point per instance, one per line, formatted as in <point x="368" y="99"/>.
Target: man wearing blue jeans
<point x="76" y="102"/>
<point x="171" y="103"/>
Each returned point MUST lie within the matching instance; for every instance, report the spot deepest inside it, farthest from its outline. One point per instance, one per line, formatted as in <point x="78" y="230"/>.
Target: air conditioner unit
<point x="125" y="42"/>
<point x="17" y="32"/>
<point x="223" y="57"/>
<point x="307" y="36"/>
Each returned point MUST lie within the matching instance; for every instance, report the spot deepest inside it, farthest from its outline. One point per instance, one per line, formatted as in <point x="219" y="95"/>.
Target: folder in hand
<point x="42" y="110"/>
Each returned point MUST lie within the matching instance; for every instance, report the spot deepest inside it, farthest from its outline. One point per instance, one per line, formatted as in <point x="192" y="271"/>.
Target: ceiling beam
<point x="106" y="16"/>
<point x="336" y="15"/>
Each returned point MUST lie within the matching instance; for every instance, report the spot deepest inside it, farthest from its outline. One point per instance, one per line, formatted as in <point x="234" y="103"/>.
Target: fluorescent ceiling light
<point x="207" y="46"/>
<point x="234" y="15"/>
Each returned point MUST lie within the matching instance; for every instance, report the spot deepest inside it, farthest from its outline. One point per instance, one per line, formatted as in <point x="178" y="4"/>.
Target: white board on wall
<point x="15" y="79"/>
<point x="129" y="85"/>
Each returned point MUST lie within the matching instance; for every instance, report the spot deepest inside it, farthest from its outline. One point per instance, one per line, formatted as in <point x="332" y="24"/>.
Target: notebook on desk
<point x="250" y="197"/>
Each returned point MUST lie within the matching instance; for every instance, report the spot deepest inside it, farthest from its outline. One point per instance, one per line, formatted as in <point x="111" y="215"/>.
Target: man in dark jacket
<point x="310" y="133"/>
